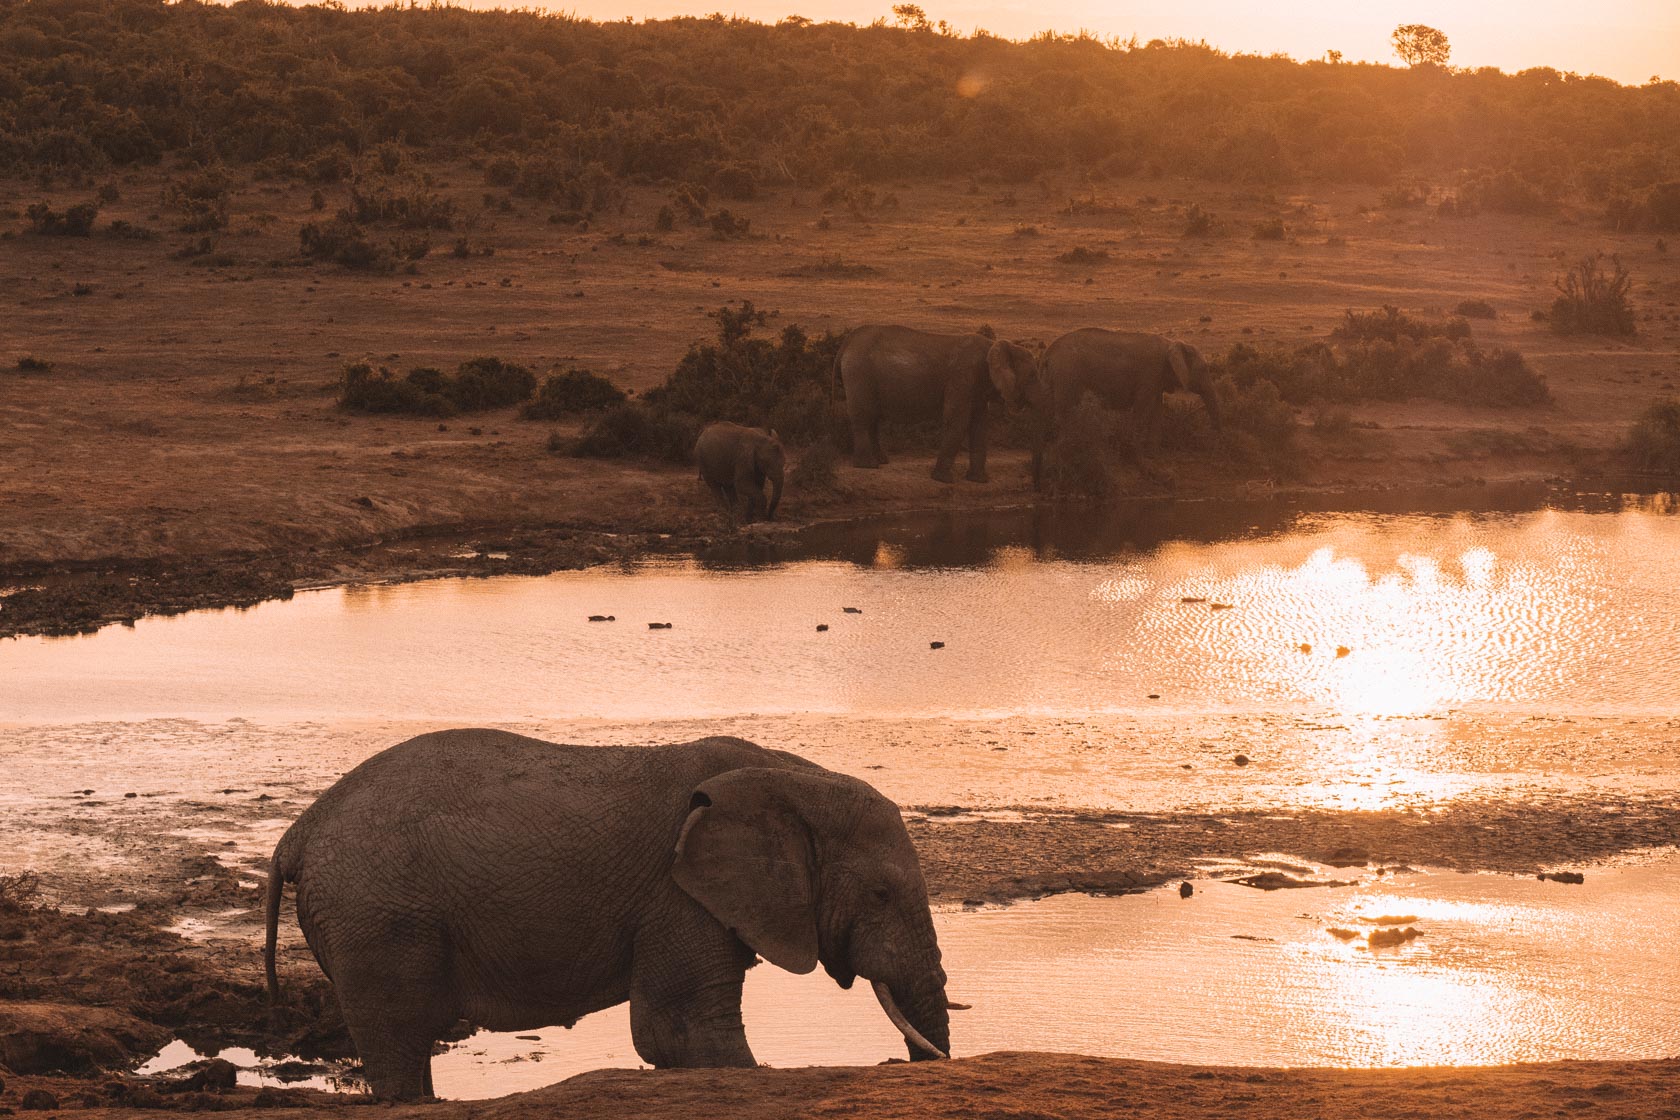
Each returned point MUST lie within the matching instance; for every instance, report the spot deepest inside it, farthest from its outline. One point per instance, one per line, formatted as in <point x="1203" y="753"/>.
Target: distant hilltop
<point x="736" y="105"/>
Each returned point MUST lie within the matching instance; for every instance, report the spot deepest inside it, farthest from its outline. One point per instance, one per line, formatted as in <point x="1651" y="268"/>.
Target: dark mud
<point x="58" y="602"/>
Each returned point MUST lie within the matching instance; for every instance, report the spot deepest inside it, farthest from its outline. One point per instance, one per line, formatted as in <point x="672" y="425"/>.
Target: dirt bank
<point x="1026" y="1086"/>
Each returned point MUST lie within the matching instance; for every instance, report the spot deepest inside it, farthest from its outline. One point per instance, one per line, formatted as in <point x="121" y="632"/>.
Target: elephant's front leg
<point x="685" y="999"/>
<point x="977" y="445"/>
<point x="953" y="426"/>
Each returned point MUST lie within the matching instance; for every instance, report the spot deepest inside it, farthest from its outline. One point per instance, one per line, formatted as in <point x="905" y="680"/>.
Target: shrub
<point x="1505" y="191"/>
<point x="1590" y="301"/>
<point x="344" y="242"/>
<point x="488" y="382"/>
<point x="1259" y="427"/>
<point x="1390" y="324"/>
<point x="736" y="181"/>
<point x="1271" y="229"/>
<point x="1081" y="255"/>
<point x="477" y="384"/>
<point x="1475" y="309"/>
<point x="1385" y="355"/>
<point x="75" y="221"/>
<point x="203" y="198"/>
<point x="576" y="390"/>
<point x="634" y="430"/>
<point x="666" y="220"/>
<point x="405" y="205"/>
<point x="31" y="364"/>
<point x="1653" y="442"/>
<point x="818" y="469"/>
<point x="19" y="890"/>
<point x="728" y="227"/>
<point x="1198" y="222"/>
<point x="1085" y="458"/>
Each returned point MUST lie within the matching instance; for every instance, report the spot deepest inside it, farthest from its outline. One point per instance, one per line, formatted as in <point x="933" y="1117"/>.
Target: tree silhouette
<point x="911" y="16"/>
<point x="1418" y="43"/>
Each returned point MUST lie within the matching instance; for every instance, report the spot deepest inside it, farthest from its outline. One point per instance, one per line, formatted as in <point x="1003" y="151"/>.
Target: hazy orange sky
<point x="1629" y="40"/>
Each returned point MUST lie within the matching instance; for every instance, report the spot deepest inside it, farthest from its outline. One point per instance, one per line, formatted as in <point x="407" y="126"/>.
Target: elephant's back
<point x="1099" y="361"/>
<point x="497" y="789"/>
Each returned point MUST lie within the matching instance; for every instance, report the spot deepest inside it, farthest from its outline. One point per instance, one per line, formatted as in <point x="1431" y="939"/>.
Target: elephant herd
<point x="902" y="375"/>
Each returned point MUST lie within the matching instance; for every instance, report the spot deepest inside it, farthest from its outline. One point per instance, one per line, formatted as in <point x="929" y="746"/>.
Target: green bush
<point x="1592" y="301"/>
<point x="477" y="384"/>
<point x="638" y="431"/>
<point x="1653" y="442"/>
<point x="74" y="221"/>
<point x="576" y="390"/>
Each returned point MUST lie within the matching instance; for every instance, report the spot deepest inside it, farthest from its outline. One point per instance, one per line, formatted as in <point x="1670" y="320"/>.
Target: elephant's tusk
<point x="911" y="1034"/>
<point x="953" y="1005"/>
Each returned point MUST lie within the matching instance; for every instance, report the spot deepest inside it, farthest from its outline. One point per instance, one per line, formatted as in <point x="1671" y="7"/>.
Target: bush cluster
<point x="1387" y="355"/>
<point x="344" y="241"/>
<point x="291" y="89"/>
<point x="73" y="221"/>
<point x="785" y="383"/>
<point x="572" y="392"/>
<point x="476" y="385"/>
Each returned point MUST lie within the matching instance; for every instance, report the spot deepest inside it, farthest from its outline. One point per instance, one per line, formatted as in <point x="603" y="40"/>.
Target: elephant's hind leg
<point x="396" y="1004"/>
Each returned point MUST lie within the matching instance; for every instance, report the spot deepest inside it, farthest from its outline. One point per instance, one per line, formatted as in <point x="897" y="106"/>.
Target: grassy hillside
<point x="732" y="105"/>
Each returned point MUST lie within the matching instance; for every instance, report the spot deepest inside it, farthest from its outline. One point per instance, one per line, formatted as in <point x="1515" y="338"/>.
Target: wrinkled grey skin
<point x="736" y="462"/>
<point x="910" y="376"/>
<point x="1124" y="370"/>
<point x="519" y="884"/>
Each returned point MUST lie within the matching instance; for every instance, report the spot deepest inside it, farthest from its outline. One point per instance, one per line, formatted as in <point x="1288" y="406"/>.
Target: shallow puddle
<point x="1505" y="970"/>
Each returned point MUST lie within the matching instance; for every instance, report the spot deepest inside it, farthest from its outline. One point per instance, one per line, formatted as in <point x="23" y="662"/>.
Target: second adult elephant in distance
<point x="1124" y="370"/>
<point x="909" y="376"/>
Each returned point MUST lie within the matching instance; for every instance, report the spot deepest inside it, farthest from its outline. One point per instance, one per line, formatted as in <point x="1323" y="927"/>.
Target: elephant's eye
<point x="881" y="894"/>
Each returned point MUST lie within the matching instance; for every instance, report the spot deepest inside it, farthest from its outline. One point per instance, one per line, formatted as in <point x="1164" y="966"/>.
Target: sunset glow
<point x="1627" y="40"/>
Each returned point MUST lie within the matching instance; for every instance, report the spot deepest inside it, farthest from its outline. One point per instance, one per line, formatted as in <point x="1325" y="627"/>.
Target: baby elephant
<point x="736" y="462"/>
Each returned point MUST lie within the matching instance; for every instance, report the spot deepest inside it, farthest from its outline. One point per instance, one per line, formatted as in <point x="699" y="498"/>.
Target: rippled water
<point x="1506" y="970"/>
<point x="1553" y="610"/>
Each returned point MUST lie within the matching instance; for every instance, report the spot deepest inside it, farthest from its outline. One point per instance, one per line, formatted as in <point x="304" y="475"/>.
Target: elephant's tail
<point x="280" y="872"/>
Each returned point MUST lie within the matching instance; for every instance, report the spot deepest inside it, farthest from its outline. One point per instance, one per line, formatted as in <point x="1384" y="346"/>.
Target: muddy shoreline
<point x="84" y="596"/>
<point x="105" y="969"/>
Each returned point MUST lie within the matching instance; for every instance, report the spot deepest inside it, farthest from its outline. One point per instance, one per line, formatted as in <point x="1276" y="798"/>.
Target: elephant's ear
<point x="745" y="854"/>
<point x="1000" y="365"/>
<point x="1179" y="360"/>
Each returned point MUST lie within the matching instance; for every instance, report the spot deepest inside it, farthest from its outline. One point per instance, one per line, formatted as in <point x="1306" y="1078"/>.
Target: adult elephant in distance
<point x="519" y="884"/>
<point x="1127" y="371"/>
<point x="910" y="376"/>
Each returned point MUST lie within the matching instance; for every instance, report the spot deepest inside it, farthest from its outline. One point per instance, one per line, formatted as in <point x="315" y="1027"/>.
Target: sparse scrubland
<point x="283" y="233"/>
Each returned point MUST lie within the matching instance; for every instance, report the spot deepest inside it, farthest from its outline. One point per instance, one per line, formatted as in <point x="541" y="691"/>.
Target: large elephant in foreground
<point x="736" y="463"/>
<point x="911" y="376"/>
<point x="1124" y="370"/>
<point x="518" y="884"/>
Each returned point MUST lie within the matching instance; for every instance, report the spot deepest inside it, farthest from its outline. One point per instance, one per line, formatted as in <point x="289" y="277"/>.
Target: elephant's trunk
<point x="775" y="494"/>
<point x="920" y="1011"/>
<point x="1211" y="400"/>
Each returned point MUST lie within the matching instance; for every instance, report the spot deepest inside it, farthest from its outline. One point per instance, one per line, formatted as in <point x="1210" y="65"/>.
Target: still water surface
<point x="1557" y="610"/>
